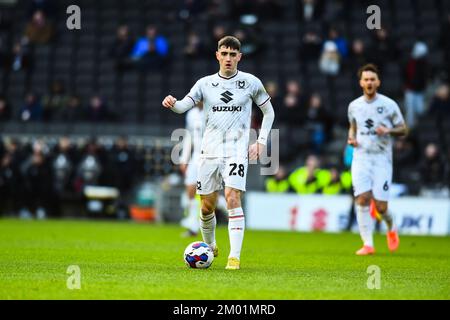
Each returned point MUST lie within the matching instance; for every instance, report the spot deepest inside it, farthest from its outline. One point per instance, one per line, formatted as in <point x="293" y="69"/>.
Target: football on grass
<point x="198" y="255"/>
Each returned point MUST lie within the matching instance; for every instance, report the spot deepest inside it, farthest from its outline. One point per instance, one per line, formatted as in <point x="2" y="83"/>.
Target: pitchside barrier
<point x="412" y="215"/>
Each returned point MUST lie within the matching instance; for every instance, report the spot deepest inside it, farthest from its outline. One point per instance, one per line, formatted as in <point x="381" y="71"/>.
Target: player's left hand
<point x="255" y="151"/>
<point x="382" y="131"/>
<point x="183" y="168"/>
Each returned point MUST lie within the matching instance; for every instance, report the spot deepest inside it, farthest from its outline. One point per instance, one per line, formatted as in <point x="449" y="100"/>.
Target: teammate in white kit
<point x="189" y="160"/>
<point x="227" y="98"/>
<point x="374" y="120"/>
<point x="190" y="157"/>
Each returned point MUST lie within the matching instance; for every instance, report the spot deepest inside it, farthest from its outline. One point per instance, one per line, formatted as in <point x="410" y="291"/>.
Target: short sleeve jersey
<point x="227" y="105"/>
<point x="369" y="115"/>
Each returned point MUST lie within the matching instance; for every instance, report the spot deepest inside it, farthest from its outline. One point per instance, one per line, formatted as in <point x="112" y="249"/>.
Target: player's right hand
<point x="169" y="101"/>
<point x="352" y="142"/>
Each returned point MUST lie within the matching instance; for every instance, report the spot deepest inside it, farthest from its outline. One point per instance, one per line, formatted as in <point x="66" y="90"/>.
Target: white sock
<point x="236" y="227"/>
<point x="193" y="219"/>
<point x="208" y="228"/>
<point x="365" y="224"/>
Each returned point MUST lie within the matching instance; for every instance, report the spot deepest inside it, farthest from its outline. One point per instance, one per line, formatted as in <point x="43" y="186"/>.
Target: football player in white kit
<point x="227" y="98"/>
<point x="189" y="160"/>
<point x="374" y="120"/>
<point x="190" y="157"/>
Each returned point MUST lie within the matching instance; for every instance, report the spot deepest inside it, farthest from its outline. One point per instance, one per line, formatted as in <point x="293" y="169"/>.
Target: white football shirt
<point x="227" y="105"/>
<point x="369" y="115"/>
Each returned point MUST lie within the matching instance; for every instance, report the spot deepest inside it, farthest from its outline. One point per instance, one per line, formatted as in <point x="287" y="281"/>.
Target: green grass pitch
<point x="126" y="260"/>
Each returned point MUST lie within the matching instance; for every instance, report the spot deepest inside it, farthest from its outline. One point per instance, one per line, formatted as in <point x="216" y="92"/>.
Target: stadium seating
<point x="80" y="59"/>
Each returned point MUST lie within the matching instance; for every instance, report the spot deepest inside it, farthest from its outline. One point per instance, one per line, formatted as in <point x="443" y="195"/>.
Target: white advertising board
<point x="412" y="215"/>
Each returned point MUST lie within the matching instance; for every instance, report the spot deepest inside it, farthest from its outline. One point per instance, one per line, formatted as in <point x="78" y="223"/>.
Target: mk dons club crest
<point x="240" y="84"/>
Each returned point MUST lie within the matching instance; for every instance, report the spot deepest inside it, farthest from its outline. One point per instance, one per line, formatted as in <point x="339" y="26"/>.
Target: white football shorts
<point x="372" y="173"/>
<point x="215" y="173"/>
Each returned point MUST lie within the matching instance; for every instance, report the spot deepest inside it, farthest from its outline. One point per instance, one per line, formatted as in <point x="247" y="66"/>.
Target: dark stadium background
<point x="109" y="106"/>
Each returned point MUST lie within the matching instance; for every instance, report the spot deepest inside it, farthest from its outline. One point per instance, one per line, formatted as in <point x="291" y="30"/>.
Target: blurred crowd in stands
<point x="424" y="173"/>
<point x="324" y="43"/>
<point x="38" y="176"/>
<point x="57" y="106"/>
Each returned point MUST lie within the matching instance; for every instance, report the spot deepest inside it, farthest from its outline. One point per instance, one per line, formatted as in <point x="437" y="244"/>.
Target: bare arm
<point x="352" y="134"/>
<point x="397" y="131"/>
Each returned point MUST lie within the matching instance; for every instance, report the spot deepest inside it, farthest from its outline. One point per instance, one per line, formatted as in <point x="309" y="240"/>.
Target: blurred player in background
<point x="190" y="157"/>
<point x="227" y="98"/>
<point x="374" y="120"/>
